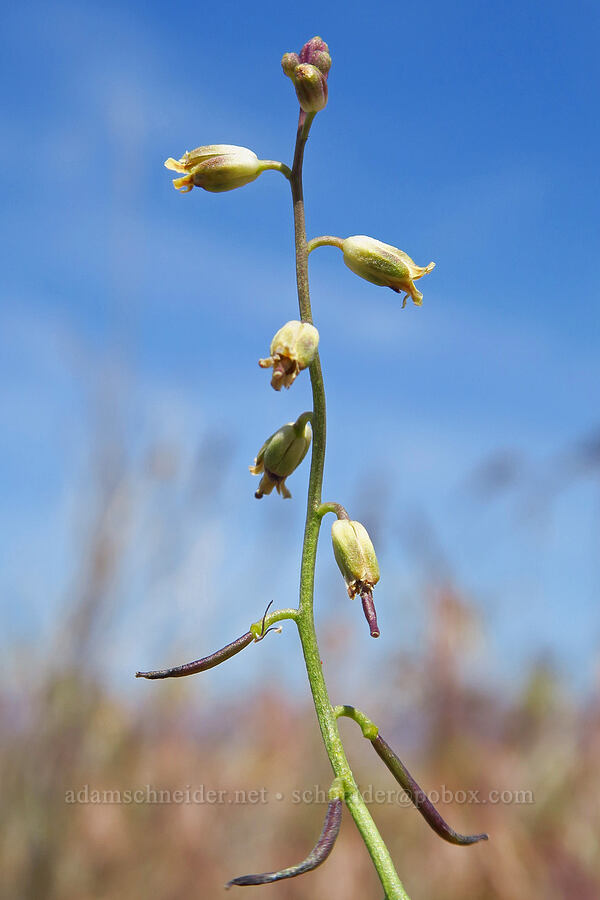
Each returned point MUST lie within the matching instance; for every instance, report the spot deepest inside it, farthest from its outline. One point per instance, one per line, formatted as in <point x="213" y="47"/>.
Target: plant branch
<point x="368" y="728"/>
<point x="326" y="240"/>
<point x="277" y="166"/>
<point x="336" y="508"/>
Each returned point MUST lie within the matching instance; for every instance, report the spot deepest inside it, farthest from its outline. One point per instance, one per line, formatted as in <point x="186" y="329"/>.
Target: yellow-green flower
<point x="355" y="555"/>
<point x="281" y="454"/>
<point x="292" y="349"/>
<point x="384" y="265"/>
<point x="216" y="168"/>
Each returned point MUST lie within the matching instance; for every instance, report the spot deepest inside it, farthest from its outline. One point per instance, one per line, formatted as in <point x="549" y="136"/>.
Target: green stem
<point x="277" y="166"/>
<point x="259" y="628"/>
<point x="314" y="513"/>
<point x="326" y="240"/>
<point x="336" y="508"/>
<point x="368" y="728"/>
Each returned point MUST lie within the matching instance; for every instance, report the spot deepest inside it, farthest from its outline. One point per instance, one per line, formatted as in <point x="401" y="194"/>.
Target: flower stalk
<point x="223" y="167"/>
<point x="394" y="889"/>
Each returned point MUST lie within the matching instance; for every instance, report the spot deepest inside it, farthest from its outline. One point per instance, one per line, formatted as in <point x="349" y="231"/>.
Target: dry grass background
<point x="64" y="728"/>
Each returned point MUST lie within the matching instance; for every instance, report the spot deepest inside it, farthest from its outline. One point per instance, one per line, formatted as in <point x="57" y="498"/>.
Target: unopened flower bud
<point x="292" y="349"/>
<point x="316" y="52"/>
<point x="289" y="62"/>
<point x="281" y="454"/>
<point x="322" y="60"/>
<point x="309" y="72"/>
<point x="311" y="87"/>
<point x="385" y="265"/>
<point x="216" y="168"/>
<point x="355" y="555"/>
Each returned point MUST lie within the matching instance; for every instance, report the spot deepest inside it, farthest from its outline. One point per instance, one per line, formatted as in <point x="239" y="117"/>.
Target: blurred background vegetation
<point x="67" y="727"/>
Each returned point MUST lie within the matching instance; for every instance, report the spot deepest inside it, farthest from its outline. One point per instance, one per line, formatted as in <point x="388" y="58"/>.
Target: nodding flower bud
<point x="385" y="265"/>
<point x="281" y="454"/>
<point x="292" y="349"/>
<point x="358" y="564"/>
<point x="216" y="168"/>
<point x="355" y="555"/>
<point x="309" y="72"/>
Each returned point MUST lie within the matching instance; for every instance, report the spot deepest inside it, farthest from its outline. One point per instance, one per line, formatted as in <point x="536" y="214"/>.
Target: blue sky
<point x="465" y="133"/>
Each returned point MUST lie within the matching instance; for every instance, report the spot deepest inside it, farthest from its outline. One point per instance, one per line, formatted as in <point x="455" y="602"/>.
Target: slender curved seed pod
<point x="317" y="855"/>
<point x="201" y="665"/>
<point x="420" y="798"/>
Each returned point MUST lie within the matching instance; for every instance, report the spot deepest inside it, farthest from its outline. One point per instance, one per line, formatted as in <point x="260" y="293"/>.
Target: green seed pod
<point x="216" y="168"/>
<point x="281" y="454"/>
<point x="384" y="265"/>
<point x="354" y="555"/>
<point x="311" y="87"/>
<point x="292" y="349"/>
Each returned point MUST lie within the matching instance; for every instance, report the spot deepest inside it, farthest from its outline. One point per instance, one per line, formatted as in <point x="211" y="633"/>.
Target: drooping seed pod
<point x="420" y="798"/>
<point x="317" y="855"/>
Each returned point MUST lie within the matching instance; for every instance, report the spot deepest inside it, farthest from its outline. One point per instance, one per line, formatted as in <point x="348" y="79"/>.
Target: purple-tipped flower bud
<point x="316" y="52"/>
<point x="311" y="87"/>
<point x="322" y="61"/>
<point x="385" y="265"/>
<point x="292" y="349"/>
<point x="309" y="72"/>
<point x="289" y="61"/>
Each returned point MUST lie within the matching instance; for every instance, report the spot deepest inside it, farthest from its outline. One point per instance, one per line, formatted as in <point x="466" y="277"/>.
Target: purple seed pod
<point x="201" y="665"/>
<point x="420" y="798"/>
<point x="317" y="855"/>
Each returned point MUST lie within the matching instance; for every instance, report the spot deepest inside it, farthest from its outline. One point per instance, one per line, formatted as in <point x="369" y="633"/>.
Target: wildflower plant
<point x="222" y="167"/>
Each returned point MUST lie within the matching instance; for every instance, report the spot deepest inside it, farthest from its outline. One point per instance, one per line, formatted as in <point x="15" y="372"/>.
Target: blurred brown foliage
<point x="69" y="731"/>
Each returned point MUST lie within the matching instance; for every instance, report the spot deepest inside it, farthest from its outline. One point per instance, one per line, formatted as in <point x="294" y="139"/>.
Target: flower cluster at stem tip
<point x="308" y="71"/>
